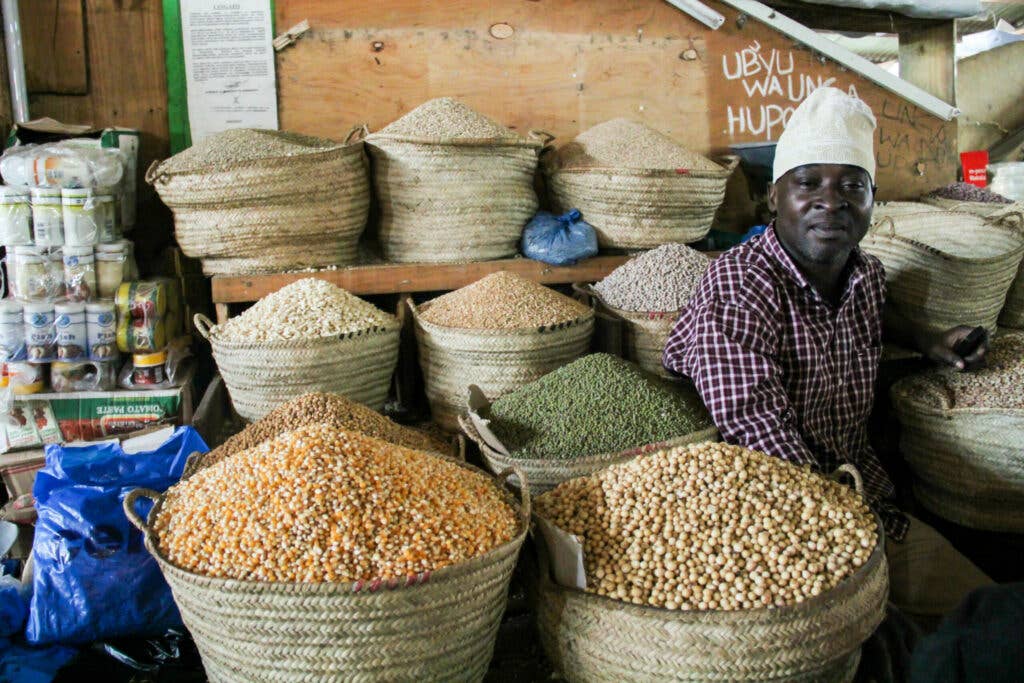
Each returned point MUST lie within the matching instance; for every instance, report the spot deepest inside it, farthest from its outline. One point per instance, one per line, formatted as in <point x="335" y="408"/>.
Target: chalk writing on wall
<point x="772" y="87"/>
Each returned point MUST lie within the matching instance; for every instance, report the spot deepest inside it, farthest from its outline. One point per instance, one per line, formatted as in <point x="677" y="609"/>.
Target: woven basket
<point x="640" y="209"/>
<point x="262" y="375"/>
<point x="452" y="200"/>
<point x="646" y="333"/>
<point x="497" y="361"/>
<point x="589" y="637"/>
<point x="284" y="213"/>
<point x="543" y="475"/>
<point x="900" y="209"/>
<point x="439" y="626"/>
<point x="966" y="462"/>
<point x="983" y="209"/>
<point x="934" y="287"/>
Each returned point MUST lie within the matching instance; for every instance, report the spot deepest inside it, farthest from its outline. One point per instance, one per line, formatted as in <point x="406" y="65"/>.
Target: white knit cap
<point x="829" y="127"/>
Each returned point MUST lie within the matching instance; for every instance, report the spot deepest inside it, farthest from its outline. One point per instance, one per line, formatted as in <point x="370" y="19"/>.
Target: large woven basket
<point x="497" y="361"/>
<point x="307" y="210"/>
<point x="452" y="200"/>
<point x="593" y="638"/>
<point x="543" y="474"/>
<point x="983" y="209"/>
<point x="945" y="269"/>
<point x="968" y="463"/>
<point x="640" y="209"/>
<point x="262" y="375"/>
<point x="433" y="627"/>
<point x="646" y="333"/>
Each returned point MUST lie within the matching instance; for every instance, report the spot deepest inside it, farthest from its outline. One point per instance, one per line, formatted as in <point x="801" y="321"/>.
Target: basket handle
<point x="524" y="489"/>
<point x="858" y="480"/>
<point x="545" y="137"/>
<point x="356" y="133"/>
<point x="731" y="162"/>
<point x="129" y="508"/>
<point x="203" y="325"/>
<point x="877" y="225"/>
<point x="1011" y="218"/>
<point x="151" y="173"/>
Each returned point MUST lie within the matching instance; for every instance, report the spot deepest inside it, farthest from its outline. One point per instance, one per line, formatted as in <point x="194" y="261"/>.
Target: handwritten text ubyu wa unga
<point x="764" y="76"/>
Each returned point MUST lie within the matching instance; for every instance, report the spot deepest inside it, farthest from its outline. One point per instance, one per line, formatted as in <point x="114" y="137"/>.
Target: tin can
<point x="138" y="335"/>
<point x="142" y="299"/>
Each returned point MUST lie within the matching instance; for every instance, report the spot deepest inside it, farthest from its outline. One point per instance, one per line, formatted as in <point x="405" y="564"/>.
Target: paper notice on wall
<point x="229" y="65"/>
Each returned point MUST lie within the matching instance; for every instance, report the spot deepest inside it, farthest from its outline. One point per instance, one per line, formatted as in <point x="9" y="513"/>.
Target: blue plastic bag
<point x="22" y="664"/>
<point x="13" y="605"/>
<point x="559" y="240"/>
<point x="93" y="577"/>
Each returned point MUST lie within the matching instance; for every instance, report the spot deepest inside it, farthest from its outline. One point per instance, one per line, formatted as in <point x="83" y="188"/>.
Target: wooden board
<point x="53" y="40"/>
<point x="927" y="59"/>
<point x="989" y="87"/>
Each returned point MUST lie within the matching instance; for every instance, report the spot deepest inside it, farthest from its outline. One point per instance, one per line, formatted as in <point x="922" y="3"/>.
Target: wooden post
<point x="928" y="59"/>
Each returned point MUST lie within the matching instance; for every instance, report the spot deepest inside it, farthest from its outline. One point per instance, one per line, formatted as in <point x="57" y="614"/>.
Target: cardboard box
<point x="19" y="468"/>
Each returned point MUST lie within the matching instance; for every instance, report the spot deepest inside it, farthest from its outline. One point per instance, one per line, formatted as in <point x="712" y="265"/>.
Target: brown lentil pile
<point x="330" y="409"/>
<point x="712" y="527"/>
<point x="662" y="279"/>
<point x="307" y="308"/>
<point x="322" y="504"/>
<point x="621" y="143"/>
<point x="502" y="301"/>
<point x="998" y="385"/>
<point x="243" y="144"/>
<point x="966" y="192"/>
<point x="447" y="118"/>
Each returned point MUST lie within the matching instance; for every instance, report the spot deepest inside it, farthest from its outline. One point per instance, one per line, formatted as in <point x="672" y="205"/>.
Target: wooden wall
<point x="556" y="65"/>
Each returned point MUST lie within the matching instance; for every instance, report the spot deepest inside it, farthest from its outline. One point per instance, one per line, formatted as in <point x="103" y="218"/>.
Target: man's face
<point x="822" y="211"/>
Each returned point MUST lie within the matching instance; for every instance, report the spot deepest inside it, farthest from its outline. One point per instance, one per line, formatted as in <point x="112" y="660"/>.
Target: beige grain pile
<point x="999" y="385"/>
<point x="447" y="118"/>
<point x="241" y="145"/>
<point x="621" y="143"/>
<point x="500" y="301"/>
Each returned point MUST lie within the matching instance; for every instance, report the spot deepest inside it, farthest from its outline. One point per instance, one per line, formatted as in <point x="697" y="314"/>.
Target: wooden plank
<point x="988" y="90"/>
<point x="928" y="61"/>
<point x="53" y="39"/>
<point x="412" y="277"/>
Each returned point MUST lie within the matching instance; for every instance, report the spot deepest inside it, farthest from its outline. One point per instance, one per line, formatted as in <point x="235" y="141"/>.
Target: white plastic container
<point x="83" y="214"/>
<point x="110" y="269"/>
<point x="47" y="217"/>
<point x="101" y="328"/>
<point x="27" y="271"/>
<point x="12" y="330"/>
<point x="40" y="332"/>
<point x="80" y="282"/>
<point x="15" y="216"/>
<point x="72" y="339"/>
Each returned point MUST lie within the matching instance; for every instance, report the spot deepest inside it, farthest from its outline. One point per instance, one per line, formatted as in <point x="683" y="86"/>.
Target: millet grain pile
<point x="447" y="118"/>
<point x="621" y="143"/>
<point x="241" y="145"/>
<point x="663" y="279"/>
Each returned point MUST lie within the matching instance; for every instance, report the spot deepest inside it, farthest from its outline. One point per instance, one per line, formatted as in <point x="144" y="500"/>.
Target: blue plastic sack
<point x="93" y="577"/>
<point x="22" y="664"/>
<point x="13" y="605"/>
<point x="559" y="240"/>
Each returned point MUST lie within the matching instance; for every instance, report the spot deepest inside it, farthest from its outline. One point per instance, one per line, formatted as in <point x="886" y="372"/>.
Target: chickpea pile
<point x="322" y="504"/>
<point x="712" y="527"/>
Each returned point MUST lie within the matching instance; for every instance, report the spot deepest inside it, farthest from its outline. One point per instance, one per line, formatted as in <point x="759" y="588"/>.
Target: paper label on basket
<point x="566" y="553"/>
<point x="477" y="403"/>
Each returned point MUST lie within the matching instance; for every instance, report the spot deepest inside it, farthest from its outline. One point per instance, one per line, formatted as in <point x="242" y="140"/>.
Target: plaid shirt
<point x="781" y="370"/>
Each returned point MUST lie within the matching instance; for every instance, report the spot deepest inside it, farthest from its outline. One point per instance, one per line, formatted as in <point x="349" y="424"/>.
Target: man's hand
<point x="941" y="347"/>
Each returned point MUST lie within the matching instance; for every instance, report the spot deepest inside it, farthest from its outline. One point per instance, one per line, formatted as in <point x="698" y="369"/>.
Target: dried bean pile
<point x="331" y="409"/>
<point x="661" y="280"/>
<point x="447" y="118"/>
<point x="503" y="301"/>
<point x="621" y="143"/>
<point x="308" y="308"/>
<point x="712" y="527"/>
<point x="322" y="504"/>
<point x="966" y="192"/>
<point x="597" y="404"/>
<point x="241" y="145"/>
<point x="999" y="385"/>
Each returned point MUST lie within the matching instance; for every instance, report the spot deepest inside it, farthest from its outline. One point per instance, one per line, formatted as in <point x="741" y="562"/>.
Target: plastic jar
<point x="26" y="378"/>
<point x="110" y="268"/>
<point x="15" y="216"/>
<point x="101" y="328"/>
<point x="79" y="273"/>
<point x="107" y="214"/>
<point x="72" y="339"/>
<point x="12" y="330"/>
<point x="55" y="273"/>
<point x="40" y="332"/>
<point x="27" y="270"/>
<point x="47" y="217"/>
<point x="82" y="216"/>
<point x="131" y="268"/>
<point x="148" y="368"/>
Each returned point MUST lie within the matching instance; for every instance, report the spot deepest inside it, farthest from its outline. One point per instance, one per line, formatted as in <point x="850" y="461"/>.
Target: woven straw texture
<point x="945" y="269"/>
<point x="593" y="638"/>
<point x="639" y="209"/>
<point x="260" y="376"/>
<point x="543" y="475"/>
<point x="983" y="209"/>
<point x="966" y="462"/>
<point x="497" y="361"/>
<point x="271" y="214"/>
<point x="439" y="627"/>
<point x="898" y="209"/>
<point x="444" y="201"/>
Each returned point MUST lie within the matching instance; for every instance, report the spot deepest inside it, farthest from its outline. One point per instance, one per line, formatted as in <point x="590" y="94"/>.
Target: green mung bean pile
<point x="597" y="404"/>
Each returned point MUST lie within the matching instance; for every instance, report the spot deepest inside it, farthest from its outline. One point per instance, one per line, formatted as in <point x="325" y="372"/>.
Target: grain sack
<point x="308" y="336"/>
<point x="637" y="187"/>
<point x="712" y="562"/>
<point x="452" y="185"/>
<point x="366" y="561"/>
<point x="582" y="417"/>
<point x="962" y="436"/>
<point x="249" y="200"/>
<point x="498" y="333"/>
<point x="945" y="269"/>
<point x="647" y="293"/>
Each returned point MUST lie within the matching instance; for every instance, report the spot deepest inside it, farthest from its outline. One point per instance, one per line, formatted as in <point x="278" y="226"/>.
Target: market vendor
<point x="784" y="335"/>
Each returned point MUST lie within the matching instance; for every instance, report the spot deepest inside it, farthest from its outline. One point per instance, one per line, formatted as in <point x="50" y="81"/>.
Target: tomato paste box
<point x="88" y="416"/>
